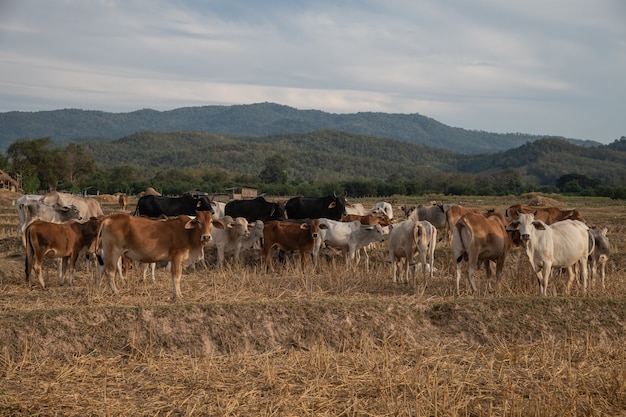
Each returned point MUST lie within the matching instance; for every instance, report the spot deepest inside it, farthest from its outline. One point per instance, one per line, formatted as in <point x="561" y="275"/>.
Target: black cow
<point x="253" y="210"/>
<point x="156" y="206"/>
<point x="330" y="207"/>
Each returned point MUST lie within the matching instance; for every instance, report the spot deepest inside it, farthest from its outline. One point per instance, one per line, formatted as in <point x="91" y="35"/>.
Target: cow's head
<point x="203" y="203"/>
<point x="204" y="223"/>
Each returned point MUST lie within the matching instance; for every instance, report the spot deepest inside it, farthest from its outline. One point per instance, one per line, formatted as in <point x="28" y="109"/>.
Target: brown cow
<point x="478" y="239"/>
<point x="144" y="240"/>
<point x="454" y="213"/>
<point x="57" y="240"/>
<point x="123" y="201"/>
<point x="290" y="236"/>
<point x="367" y="219"/>
<point x="548" y="215"/>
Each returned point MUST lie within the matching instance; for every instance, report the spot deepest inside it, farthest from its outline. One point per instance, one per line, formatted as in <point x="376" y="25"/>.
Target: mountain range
<point x="252" y="120"/>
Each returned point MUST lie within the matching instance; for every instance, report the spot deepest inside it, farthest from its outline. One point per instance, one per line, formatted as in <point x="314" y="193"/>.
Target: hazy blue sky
<point x="547" y="67"/>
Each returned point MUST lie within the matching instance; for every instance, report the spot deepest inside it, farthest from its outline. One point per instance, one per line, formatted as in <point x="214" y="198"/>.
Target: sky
<point x="544" y="67"/>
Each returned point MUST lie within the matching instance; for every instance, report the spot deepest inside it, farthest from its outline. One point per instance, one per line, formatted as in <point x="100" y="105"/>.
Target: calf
<point x="478" y="239"/>
<point x="52" y="240"/>
<point x="32" y="210"/>
<point x="350" y="237"/>
<point x="227" y="236"/>
<point x="144" y="240"/>
<point x="247" y="242"/>
<point x="408" y="239"/>
<point x="290" y="236"/>
<point x="562" y="245"/>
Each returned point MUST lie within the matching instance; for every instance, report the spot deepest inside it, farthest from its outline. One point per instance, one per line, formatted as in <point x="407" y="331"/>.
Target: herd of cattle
<point x="178" y="230"/>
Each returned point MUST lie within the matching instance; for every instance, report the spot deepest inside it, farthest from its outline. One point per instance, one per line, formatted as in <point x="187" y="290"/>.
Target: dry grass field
<point x="331" y="342"/>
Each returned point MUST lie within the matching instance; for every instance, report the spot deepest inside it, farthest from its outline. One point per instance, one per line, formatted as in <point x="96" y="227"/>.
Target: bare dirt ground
<point x="328" y="342"/>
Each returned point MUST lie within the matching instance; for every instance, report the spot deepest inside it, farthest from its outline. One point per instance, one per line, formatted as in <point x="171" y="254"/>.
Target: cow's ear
<point x="332" y="205"/>
<point x="218" y="224"/>
<point x="304" y="226"/>
<point x="513" y="225"/>
<point x="191" y="223"/>
<point x="323" y="226"/>
<point x="539" y="225"/>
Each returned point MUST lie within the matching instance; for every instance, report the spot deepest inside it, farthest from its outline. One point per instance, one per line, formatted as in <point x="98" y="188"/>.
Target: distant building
<point x="242" y="193"/>
<point x="6" y="181"/>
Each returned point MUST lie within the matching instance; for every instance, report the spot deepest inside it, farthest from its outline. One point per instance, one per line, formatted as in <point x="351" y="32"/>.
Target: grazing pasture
<point x="334" y="341"/>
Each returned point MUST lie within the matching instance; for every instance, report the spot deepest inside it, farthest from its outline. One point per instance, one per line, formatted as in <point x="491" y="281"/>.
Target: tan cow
<point x="144" y="240"/>
<point x="548" y="215"/>
<point x="408" y="239"/>
<point x="289" y="236"/>
<point x="228" y="237"/>
<point x="87" y="206"/>
<point x="52" y="240"/>
<point x="123" y="201"/>
<point x="367" y="219"/>
<point x="478" y="239"/>
<point x="454" y="213"/>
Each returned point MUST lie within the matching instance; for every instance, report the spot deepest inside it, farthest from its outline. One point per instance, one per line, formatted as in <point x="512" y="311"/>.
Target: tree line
<point x="42" y="167"/>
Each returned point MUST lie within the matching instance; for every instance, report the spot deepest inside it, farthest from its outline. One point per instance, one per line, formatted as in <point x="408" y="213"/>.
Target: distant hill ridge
<point x="254" y="120"/>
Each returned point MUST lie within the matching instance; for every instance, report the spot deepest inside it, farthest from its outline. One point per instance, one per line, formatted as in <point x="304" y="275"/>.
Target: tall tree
<point x="275" y="171"/>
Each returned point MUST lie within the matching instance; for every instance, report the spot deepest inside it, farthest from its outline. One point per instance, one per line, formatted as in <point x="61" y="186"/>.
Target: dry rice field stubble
<point x="330" y="342"/>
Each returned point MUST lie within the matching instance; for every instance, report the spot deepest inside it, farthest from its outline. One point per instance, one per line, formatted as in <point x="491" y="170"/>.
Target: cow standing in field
<point x="289" y="236"/>
<point x="350" y="237"/>
<point x="87" y="206"/>
<point x="174" y="240"/>
<point x="255" y="209"/>
<point x="548" y="215"/>
<point x="247" y="242"/>
<point x="123" y="201"/>
<point x="453" y="214"/>
<point x="382" y="207"/>
<point x="51" y="240"/>
<point x="31" y="210"/>
<point x="228" y="236"/>
<point x="329" y="207"/>
<point x="154" y="206"/>
<point x="560" y="245"/>
<point x="408" y="239"/>
<point x="478" y="239"/>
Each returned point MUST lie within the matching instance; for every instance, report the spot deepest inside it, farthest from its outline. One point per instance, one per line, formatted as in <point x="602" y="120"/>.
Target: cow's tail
<point x="97" y="245"/>
<point x="458" y="241"/>
<point x="30" y="255"/>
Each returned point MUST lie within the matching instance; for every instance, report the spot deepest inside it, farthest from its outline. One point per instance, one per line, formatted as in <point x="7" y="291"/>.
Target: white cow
<point x="31" y="210"/>
<point x="357" y="208"/>
<point x="559" y="245"/>
<point x="408" y="239"/>
<point x="218" y="209"/>
<point x="382" y="207"/>
<point x="87" y="206"/>
<point x="350" y="237"/>
<point x="248" y="242"/>
<point x="228" y="237"/>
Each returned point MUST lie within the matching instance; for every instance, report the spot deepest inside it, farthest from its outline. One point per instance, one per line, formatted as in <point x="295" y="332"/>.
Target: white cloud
<point x="536" y="67"/>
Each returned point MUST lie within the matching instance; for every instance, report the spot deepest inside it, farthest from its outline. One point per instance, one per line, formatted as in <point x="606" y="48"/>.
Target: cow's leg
<point x="220" y="255"/>
<point x="38" y="269"/>
<point x="584" y="270"/>
<point x="266" y="257"/>
<point x="457" y="274"/>
<point x="177" y="271"/>
<point x="152" y="266"/>
<point x="393" y="268"/>
<point x="110" y="269"/>
<point x="71" y="268"/>
<point x="544" y="278"/>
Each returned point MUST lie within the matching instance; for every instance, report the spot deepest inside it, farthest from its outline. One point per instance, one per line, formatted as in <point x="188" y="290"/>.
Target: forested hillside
<point x="254" y="120"/>
<point x="333" y="155"/>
